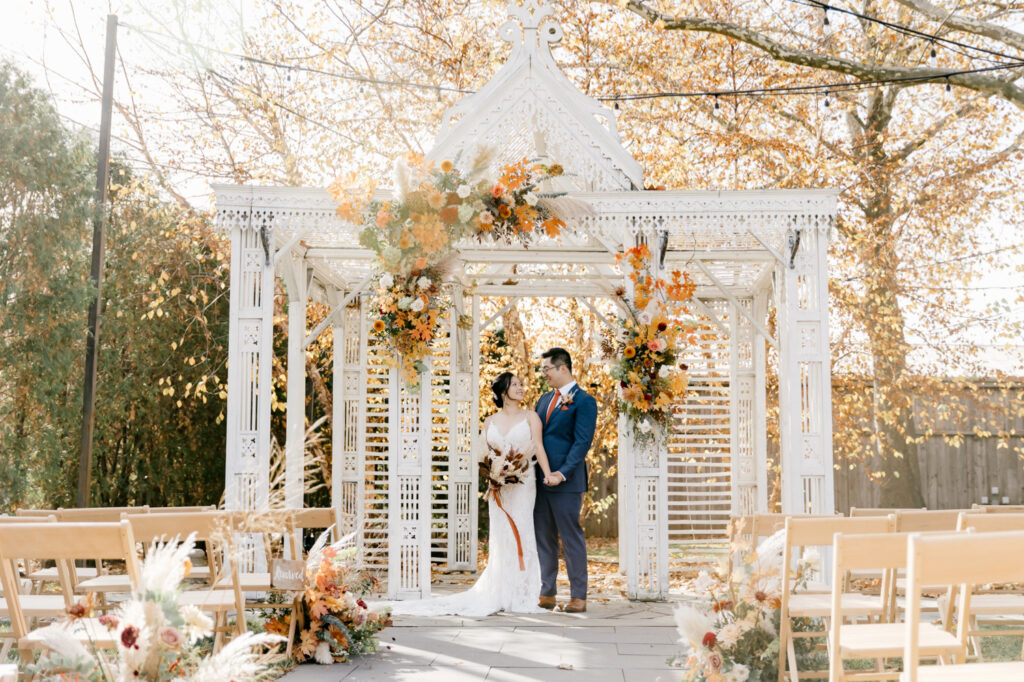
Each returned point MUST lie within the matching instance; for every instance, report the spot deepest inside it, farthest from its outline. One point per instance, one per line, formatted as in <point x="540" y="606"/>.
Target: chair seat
<point x="248" y="582"/>
<point x="820" y="605"/>
<point x="105" y="583"/>
<point x="87" y="630"/>
<point x="208" y="600"/>
<point x="38" y="605"/>
<point x="47" y="574"/>
<point x="996" y="603"/>
<point x="883" y="640"/>
<point x="1012" y="671"/>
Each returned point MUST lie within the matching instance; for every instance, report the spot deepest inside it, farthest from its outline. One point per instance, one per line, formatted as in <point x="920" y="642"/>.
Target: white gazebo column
<point x="409" y="489"/>
<point x="461" y="425"/>
<point x="348" y="396"/>
<point x="250" y="354"/>
<point x="805" y="393"/>
<point x="742" y="385"/>
<point x="645" y="474"/>
<point x="760" y="403"/>
<point x="297" y="283"/>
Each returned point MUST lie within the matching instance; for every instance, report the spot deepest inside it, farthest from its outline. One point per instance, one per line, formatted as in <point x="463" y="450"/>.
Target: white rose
<point x="424" y="282"/>
<point x="387" y="281"/>
<point x="644" y="318"/>
<point x="645" y="426"/>
<point x="464" y="191"/>
<point x="812" y="559"/>
<point x="738" y="673"/>
<point x="530" y="198"/>
<point x="405" y="303"/>
<point x="418" y="305"/>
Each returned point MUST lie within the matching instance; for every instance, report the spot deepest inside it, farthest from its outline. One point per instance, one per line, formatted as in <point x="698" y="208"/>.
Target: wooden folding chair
<point x="998" y="508"/>
<point x="63" y="543"/>
<point x="965" y="560"/>
<point x="801" y="533"/>
<point x="752" y="530"/>
<point x="291" y="523"/>
<point x="223" y="593"/>
<point x="873" y="640"/>
<point x="33" y="606"/>
<point x="77" y="515"/>
<point x="995" y="607"/>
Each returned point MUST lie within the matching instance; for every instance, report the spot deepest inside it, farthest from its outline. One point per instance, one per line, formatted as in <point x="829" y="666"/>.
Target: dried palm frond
<point x="566" y="207"/>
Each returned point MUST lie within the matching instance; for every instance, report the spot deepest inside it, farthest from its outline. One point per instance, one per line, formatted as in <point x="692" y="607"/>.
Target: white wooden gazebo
<point x="404" y="474"/>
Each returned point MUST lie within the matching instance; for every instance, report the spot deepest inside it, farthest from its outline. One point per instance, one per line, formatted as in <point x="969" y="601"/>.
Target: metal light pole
<point x="92" y="342"/>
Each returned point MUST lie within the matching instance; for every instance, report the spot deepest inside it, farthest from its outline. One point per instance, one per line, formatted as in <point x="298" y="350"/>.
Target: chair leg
<point x="794" y="672"/>
<point x="292" y="622"/>
<point x="783" y="641"/>
<point x="219" y="623"/>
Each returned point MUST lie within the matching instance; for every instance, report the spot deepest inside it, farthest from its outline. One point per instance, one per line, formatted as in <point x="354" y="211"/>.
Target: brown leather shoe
<point x="547" y="602"/>
<point x="575" y="606"/>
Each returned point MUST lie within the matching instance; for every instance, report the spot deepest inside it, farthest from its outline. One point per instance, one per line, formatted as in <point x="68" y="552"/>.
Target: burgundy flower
<point x="709" y="640"/>
<point x="361" y="603"/>
<point x="662" y="326"/>
<point x="129" y="636"/>
<point x="683" y="366"/>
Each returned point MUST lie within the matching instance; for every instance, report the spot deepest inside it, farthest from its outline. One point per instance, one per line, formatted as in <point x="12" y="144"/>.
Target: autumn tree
<point x="311" y="92"/>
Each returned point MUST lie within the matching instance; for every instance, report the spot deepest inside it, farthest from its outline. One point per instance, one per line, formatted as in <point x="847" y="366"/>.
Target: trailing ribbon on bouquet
<point x="515" y="530"/>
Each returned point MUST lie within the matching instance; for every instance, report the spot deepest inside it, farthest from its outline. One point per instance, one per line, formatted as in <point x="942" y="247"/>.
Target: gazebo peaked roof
<point x="530" y="108"/>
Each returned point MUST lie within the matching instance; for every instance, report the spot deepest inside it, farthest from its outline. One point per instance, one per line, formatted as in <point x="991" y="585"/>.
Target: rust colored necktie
<point x="551" y="407"/>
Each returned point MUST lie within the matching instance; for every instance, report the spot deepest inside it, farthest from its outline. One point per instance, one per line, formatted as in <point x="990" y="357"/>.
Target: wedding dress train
<point x="502" y="586"/>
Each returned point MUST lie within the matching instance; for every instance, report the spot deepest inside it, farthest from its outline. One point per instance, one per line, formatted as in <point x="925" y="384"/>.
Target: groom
<point x="569" y="415"/>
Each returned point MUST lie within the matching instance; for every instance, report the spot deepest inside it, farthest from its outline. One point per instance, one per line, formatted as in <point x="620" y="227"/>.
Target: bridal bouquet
<point x="415" y="235"/>
<point x="502" y="468"/>
<point x="157" y="638"/>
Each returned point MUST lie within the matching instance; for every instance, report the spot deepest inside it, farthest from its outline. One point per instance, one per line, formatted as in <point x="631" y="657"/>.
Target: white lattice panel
<point x="699" y="471"/>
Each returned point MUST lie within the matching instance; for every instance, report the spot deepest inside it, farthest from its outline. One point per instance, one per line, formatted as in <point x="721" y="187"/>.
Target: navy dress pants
<point x="557" y="515"/>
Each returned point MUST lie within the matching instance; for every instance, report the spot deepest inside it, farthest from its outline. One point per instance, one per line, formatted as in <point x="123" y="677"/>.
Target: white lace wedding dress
<point x="502" y="586"/>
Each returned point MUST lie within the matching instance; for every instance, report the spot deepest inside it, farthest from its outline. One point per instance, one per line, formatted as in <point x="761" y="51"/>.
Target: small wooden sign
<point x="287" y="575"/>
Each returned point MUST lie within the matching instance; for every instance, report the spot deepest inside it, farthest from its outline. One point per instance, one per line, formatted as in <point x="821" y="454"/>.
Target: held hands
<point x="552" y="479"/>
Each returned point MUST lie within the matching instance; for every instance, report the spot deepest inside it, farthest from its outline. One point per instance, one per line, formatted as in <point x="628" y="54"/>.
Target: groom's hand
<point x="552" y="479"/>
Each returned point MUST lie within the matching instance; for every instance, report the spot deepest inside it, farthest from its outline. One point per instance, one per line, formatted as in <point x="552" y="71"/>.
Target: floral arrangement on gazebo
<point x="650" y="337"/>
<point x="414" y="237"/>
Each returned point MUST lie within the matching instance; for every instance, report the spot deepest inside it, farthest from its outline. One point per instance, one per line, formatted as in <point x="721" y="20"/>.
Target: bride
<point x="503" y="586"/>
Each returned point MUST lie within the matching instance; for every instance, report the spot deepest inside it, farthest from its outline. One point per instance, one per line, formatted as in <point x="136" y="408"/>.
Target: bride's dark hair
<point x="500" y="387"/>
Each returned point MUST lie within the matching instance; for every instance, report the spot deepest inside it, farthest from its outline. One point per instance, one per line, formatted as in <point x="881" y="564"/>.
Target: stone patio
<point x="616" y="640"/>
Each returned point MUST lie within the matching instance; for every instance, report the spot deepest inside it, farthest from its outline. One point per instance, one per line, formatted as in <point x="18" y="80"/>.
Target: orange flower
<point x="555" y="169"/>
<point x="450" y="214"/>
<point x="504" y="211"/>
<point x="629" y="352"/>
<point x="405" y="241"/>
<point x="378" y="326"/>
<point x="497" y="191"/>
<point x="420" y="263"/>
<point x="383" y="217"/>
<point x="435" y="199"/>
<point x="446" y="166"/>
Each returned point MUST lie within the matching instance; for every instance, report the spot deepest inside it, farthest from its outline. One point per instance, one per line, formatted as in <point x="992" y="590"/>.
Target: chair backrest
<point x="97" y="514"/>
<point x="985" y="522"/>
<point x="181" y="510"/>
<point x="818" y="531"/>
<point x="998" y="508"/>
<point x="207" y="525"/>
<point x="35" y="512"/>
<point x="913" y="520"/>
<point x="63" y="542"/>
<point x="963" y="559"/>
<point x="880" y="511"/>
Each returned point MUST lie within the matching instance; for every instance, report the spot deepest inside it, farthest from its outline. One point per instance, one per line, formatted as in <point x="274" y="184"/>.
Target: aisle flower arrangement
<point x="157" y="638"/>
<point x="334" y="621"/>
<point x="650" y="336"/>
<point x="414" y="238"/>
<point x="736" y="638"/>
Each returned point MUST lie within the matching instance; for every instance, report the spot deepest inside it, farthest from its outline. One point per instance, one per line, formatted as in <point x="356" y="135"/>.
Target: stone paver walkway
<point x="616" y="640"/>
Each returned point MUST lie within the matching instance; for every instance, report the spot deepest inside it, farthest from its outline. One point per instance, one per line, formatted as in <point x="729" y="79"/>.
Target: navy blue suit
<point x="567" y="434"/>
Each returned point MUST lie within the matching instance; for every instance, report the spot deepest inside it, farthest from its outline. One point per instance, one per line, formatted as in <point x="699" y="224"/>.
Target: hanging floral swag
<point x="645" y="355"/>
<point x="414" y="237"/>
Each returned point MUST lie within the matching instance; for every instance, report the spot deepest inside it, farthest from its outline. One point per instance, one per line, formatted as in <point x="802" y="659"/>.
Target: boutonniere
<point x="568" y="400"/>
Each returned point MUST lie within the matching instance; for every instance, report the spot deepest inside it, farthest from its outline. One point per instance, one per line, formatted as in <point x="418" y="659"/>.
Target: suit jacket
<point x="567" y="438"/>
